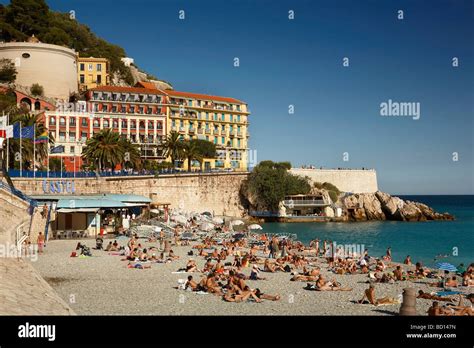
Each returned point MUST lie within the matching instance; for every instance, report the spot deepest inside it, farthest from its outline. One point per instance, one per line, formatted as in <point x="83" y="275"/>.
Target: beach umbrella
<point x="255" y="227"/>
<point x="446" y="266"/>
<point x="179" y="219"/>
<point x="218" y="221"/>
<point x="236" y="222"/>
<point x="206" y="226"/>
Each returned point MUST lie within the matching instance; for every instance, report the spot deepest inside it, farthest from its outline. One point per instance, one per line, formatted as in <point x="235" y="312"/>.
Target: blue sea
<point x="423" y="241"/>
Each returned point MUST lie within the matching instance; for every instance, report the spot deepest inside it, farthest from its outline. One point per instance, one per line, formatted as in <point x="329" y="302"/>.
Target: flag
<point x="57" y="149"/>
<point x="7" y="132"/>
<point x="1" y="141"/>
<point x="43" y="138"/>
<point x="26" y="132"/>
<point x="3" y="122"/>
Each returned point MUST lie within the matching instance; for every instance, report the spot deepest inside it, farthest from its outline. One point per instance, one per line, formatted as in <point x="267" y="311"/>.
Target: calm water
<point x="422" y="240"/>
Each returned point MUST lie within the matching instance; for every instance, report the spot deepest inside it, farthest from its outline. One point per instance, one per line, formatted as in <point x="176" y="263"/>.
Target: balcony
<point x="208" y="131"/>
<point x="192" y="130"/>
<point x="304" y="202"/>
<point x="182" y="129"/>
<point x="200" y="131"/>
<point x="174" y="128"/>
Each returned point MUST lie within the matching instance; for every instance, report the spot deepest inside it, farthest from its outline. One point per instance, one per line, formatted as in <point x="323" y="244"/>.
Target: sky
<point x="299" y="62"/>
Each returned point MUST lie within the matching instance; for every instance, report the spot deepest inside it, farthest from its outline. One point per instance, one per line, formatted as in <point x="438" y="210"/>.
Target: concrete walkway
<point x="24" y="292"/>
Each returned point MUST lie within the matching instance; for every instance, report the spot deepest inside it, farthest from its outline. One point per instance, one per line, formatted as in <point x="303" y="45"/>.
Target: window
<point x="238" y="118"/>
<point x="96" y="122"/>
<point x="62" y="136"/>
<point x="223" y="128"/>
<point x="82" y="67"/>
<point x="115" y="123"/>
<point x="231" y="118"/>
<point x="223" y="117"/>
<point x="83" y="136"/>
<point x="99" y="79"/>
<point x="26" y="55"/>
<point x="106" y="123"/>
<point x="123" y="109"/>
<point x="90" y="66"/>
<point x="207" y="116"/>
<point x="150" y="125"/>
<point x="159" y="125"/>
<point x="215" y="140"/>
<point x="72" y="150"/>
<point x="72" y="121"/>
<point x="238" y="142"/>
<point x="52" y="121"/>
<point x="84" y="122"/>
<point x="124" y="124"/>
<point x="62" y="121"/>
<point x="104" y="107"/>
<point x="238" y="107"/>
<point x="215" y="117"/>
<point x="132" y="109"/>
<point x="223" y="140"/>
<point x="190" y="102"/>
<point x="72" y="136"/>
<point x="99" y="67"/>
<point x="82" y="78"/>
<point x="207" y="137"/>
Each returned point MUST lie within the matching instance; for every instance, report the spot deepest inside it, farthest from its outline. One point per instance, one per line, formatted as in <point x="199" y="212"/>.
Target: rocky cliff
<point x="382" y="206"/>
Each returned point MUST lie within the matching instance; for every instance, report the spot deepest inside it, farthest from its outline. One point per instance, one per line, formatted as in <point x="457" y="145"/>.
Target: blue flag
<point x="57" y="149"/>
<point x="26" y="132"/>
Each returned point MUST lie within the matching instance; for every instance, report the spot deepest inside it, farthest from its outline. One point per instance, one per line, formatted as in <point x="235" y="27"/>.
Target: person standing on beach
<point x="40" y="242"/>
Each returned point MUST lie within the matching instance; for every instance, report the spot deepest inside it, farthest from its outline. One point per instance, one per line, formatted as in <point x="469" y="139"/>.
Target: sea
<point x="429" y="242"/>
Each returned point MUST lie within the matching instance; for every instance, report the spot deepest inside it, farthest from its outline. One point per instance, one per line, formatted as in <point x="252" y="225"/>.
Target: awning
<point x="78" y="210"/>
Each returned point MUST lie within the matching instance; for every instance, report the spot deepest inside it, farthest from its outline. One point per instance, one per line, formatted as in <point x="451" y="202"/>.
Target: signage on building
<point x="58" y="186"/>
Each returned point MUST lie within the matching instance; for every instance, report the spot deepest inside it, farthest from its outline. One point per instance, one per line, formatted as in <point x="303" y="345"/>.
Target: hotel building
<point x="145" y="115"/>
<point x="220" y="120"/>
<point x="92" y="72"/>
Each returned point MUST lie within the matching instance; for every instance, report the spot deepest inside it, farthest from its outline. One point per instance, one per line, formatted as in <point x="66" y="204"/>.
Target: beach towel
<point x="448" y="293"/>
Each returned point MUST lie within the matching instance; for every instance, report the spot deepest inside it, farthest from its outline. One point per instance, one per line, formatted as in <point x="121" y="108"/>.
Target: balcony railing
<point x="208" y="131"/>
<point x="304" y="202"/>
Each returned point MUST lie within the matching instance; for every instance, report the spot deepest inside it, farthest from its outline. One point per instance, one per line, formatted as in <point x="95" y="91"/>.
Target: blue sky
<point x="299" y="62"/>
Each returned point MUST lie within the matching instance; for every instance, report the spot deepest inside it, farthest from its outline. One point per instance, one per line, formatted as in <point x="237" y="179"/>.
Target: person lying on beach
<point x="467" y="279"/>
<point x="427" y="296"/>
<point x="452" y="283"/>
<point x="323" y="285"/>
<point x="137" y="265"/>
<point x="143" y="256"/>
<point x="108" y="247"/>
<point x="369" y="294"/>
<point x="303" y="278"/>
<point x="311" y="272"/>
<point x="210" y="285"/>
<point x="263" y="296"/>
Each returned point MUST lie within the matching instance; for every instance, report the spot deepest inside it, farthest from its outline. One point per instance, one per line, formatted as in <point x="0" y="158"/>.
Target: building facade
<point x="92" y="72"/>
<point x="220" y="120"/>
<point x="145" y="115"/>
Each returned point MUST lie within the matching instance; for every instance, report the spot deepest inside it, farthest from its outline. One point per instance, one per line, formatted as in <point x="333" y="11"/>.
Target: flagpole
<point x="8" y="144"/>
<point x="21" y="156"/>
<point x="47" y="159"/>
<point x="61" y="165"/>
<point x="34" y="150"/>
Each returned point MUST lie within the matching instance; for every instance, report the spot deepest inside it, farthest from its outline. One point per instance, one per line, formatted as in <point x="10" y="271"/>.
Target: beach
<point x="102" y="284"/>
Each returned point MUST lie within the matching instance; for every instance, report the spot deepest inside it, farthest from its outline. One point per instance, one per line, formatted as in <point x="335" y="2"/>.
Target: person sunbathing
<point x="172" y="256"/>
<point x="323" y="285"/>
<point x="108" y="247"/>
<point x="232" y="296"/>
<point x="427" y="296"/>
<point x="191" y="284"/>
<point x="303" y="278"/>
<point x="461" y="310"/>
<point x="263" y="296"/>
<point x="452" y="283"/>
<point x="255" y="274"/>
<point x="143" y="255"/>
<point x="435" y="310"/>
<point x="369" y="294"/>
<point x="398" y="273"/>
<point x="467" y="279"/>
<point x="249" y="293"/>
<point x="311" y="272"/>
<point x="137" y="265"/>
<point x="191" y="266"/>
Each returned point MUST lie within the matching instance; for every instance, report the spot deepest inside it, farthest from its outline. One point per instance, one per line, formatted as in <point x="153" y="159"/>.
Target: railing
<point x="303" y="202"/>
<point x="71" y="175"/>
<point x="21" y="236"/>
<point x="19" y="194"/>
<point x="264" y="213"/>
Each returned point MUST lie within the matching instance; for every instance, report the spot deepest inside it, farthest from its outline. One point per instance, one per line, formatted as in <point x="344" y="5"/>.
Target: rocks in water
<point x="382" y="206"/>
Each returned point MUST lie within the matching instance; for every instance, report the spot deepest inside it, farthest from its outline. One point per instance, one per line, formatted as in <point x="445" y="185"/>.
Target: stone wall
<point x="218" y="193"/>
<point x="347" y="180"/>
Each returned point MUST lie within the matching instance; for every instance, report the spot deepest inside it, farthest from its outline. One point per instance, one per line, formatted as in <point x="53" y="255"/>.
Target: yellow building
<point x="92" y="72"/>
<point x="220" y="120"/>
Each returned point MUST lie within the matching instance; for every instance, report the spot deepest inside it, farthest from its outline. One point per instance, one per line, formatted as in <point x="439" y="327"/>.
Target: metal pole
<point x="34" y="150"/>
<point x="21" y="156"/>
<point x="8" y="145"/>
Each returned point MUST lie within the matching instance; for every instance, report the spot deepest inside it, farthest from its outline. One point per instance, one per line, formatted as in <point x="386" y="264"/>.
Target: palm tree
<point x="173" y="147"/>
<point x="191" y="152"/>
<point x="105" y="149"/>
<point x="132" y="153"/>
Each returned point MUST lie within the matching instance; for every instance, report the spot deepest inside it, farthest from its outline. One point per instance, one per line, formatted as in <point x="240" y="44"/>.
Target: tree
<point x="192" y="152"/>
<point x="173" y="147"/>
<point x="7" y="71"/>
<point x="132" y="156"/>
<point x="104" y="149"/>
<point x="36" y="90"/>
<point x="56" y="164"/>
<point x="270" y="182"/>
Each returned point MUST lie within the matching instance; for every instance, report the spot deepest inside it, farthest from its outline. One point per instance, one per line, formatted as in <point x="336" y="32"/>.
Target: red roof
<point x="202" y="96"/>
<point x="149" y="85"/>
<point x="121" y="89"/>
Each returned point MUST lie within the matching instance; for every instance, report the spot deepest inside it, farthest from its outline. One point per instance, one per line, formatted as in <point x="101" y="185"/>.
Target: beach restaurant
<point x="79" y="216"/>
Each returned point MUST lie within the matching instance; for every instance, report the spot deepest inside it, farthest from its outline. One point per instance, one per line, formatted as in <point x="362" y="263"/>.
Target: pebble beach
<point x="104" y="285"/>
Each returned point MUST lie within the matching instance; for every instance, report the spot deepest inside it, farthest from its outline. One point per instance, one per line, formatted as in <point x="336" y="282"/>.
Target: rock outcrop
<point x="382" y="206"/>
